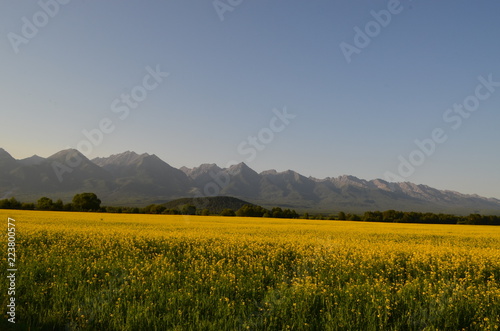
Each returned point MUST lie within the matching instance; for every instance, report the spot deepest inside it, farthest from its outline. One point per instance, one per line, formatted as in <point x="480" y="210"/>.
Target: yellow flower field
<point x="91" y="271"/>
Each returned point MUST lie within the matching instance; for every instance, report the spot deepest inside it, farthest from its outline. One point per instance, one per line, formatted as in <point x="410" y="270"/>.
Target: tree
<point x="45" y="203"/>
<point x="68" y="207"/>
<point x="188" y="210"/>
<point x="28" y="206"/>
<point x="58" y="205"/>
<point x="171" y="212"/>
<point x="158" y="209"/>
<point x="227" y="212"/>
<point x="11" y="203"/>
<point x="474" y="219"/>
<point x="342" y="216"/>
<point x="277" y="212"/>
<point x="251" y="211"/>
<point x="353" y="217"/>
<point x="154" y="209"/>
<point x="372" y="216"/>
<point x="14" y="203"/>
<point x="390" y="215"/>
<point x="4" y="204"/>
<point x="287" y="213"/>
<point x="86" y="202"/>
<point x="111" y="209"/>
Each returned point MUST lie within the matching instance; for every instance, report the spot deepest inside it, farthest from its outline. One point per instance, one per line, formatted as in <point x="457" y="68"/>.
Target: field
<point x="88" y="271"/>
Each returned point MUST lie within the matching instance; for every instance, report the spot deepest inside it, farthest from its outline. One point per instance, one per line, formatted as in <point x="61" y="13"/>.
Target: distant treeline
<point x="88" y="202"/>
<point x="80" y="202"/>
<point x="429" y="218"/>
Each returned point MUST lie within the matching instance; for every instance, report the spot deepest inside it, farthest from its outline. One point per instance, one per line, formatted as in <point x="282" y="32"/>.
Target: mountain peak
<point x="241" y="168"/>
<point x="5" y="155"/>
<point x="269" y="172"/>
<point x="241" y="165"/>
<point x="125" y="158"/>
<point x="204" y="172"/>
<point x="7" y="162"/>
<point x="206" y="166"/>
<point x="349" y="181"/>
<point x="32" y="160"/>
<point x="67" y="155"/>
<point x="151" y="156"/>
<point x="186" y="170"/>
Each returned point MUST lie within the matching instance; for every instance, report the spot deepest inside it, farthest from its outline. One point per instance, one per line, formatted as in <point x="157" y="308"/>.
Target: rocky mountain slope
<point x="138" y="179"/>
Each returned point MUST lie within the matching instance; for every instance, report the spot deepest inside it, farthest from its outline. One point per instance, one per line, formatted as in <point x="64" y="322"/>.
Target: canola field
<point x="91" y="271"/>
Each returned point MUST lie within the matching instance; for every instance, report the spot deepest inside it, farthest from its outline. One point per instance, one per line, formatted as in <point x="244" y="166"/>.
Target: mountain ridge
<point x="135" y="179"/>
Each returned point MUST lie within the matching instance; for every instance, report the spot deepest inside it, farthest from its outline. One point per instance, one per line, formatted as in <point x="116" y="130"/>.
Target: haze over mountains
<point x="130" y="179"/>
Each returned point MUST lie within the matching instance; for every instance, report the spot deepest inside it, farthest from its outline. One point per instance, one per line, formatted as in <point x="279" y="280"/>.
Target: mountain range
<point x="131" y="179"/>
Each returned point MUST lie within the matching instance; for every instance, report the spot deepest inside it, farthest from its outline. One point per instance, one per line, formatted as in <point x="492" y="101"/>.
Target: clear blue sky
<point x="227" y="76"/>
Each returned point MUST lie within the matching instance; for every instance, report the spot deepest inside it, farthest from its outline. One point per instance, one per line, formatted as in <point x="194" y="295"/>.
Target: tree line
<point x="80" y="202"/>
<point x="429" y="218"/>
<point x="189" y="209"/>
<point x="89" y="202"/>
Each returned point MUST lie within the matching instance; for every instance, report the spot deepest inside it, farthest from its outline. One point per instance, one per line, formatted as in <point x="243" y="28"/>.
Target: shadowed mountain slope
<point x="132" y="179"/>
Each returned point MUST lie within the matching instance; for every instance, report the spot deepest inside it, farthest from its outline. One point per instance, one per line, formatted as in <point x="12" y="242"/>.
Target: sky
<point x="398" y="90"/>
